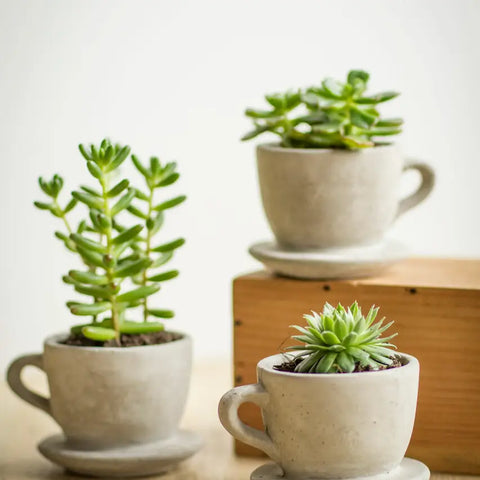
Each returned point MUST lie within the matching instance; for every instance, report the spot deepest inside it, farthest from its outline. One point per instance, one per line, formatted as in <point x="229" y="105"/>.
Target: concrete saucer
<point x="128" y="461"/>
<point x="408" y="469"/>
<point x="334" y="263"/>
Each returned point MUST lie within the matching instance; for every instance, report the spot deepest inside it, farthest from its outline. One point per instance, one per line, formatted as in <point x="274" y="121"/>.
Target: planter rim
<point x="54" y="342"/>
<point x="275" y="147"/>
<point x="266" y="364"/>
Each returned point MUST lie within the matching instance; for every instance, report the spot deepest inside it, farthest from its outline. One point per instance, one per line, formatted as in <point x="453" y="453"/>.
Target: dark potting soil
<point x="138" y="340"/>
<point x="290" y="365"/>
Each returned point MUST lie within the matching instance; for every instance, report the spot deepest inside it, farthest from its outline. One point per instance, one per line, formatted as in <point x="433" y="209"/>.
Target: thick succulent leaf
<point x="170" y="246"/>
<point x="133" y="328"/>
<point x="128" y="234"/>
<point x="378" y="98"/>
<point x="170" y="203"/>
<point x="124" y="202"/>
<point x="161" y="313"/>
<point x="162" y="277"/>
<point x="100" y="334"/>
<point x="138" y="293"/>
<point x="119" y="188"/>
<point x="88" y="277"/>
<point x="325" y="363"/>
<point x="89" y="308"/>
<point x="128" y="269"/>
<point x="87" y="243"/>
<point x="345" y="362"/>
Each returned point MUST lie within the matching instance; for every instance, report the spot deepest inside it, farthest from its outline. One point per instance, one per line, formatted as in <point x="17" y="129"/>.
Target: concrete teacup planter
<point x="119" y="408"/>
<point x="330" y="426"/>
<point x="331" y="198"/>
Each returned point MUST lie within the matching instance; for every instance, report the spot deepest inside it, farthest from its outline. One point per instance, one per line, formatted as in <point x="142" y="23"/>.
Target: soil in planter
<point x="290" y="365"/>
<point x="138" y="340"/>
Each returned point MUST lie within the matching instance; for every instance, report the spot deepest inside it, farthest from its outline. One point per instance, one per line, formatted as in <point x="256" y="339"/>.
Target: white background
<point x="172" y="78"/>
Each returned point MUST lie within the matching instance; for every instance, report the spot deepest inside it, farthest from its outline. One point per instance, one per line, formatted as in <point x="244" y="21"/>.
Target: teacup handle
<point x="423" y="191"/>
<point x="14" y="380"/>
<point x="228" y="413"/>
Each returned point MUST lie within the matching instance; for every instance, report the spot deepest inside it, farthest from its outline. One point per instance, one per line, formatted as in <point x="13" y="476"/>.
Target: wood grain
<point x="436" y="308"/>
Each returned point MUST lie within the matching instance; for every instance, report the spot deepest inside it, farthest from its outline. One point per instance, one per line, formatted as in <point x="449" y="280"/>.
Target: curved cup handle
<point x="15" y="382"/>
<point x="423" y="191"/>
<point x="228" y="413"/>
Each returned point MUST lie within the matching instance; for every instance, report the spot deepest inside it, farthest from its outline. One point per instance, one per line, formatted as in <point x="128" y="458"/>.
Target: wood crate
<point x="435" y="304"/>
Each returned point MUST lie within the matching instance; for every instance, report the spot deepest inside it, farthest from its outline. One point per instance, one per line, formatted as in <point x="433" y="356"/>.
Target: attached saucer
<point x="408" y="469"/>
<point x="335" y="263"/>
<point x="130" y="461"/>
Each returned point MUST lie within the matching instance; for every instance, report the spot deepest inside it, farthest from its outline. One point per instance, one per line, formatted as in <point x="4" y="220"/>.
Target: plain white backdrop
<point x="173" y="79"/>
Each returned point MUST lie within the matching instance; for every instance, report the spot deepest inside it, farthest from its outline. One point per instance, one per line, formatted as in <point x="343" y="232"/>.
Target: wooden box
<point x="435" y="304"/>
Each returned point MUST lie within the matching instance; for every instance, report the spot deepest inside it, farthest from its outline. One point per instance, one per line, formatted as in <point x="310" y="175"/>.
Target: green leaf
<point x="138" y="165"/>
<point x="100" y="334"/>
<point x="88" y="277"/>
<point x="354" y="75"/>
<point x="94" y="169"/>
<point x="253" y="113"/>
<point x="254" y="133"/>
<point x="162" y="277"/>
<point x="138" y="293"/>
<point x="156" y="312"/>
<point x="170" y="203"/>
<point x="326" y="362"/>
<point x="362" y="119"/>
<point x="118" y="159"/>
<point x="43" y="206"/>
<point x="91" y="191"/>
<point x="70" y="205"/>
<point x="133" y="328"/>
<point x="132" y="268"/>
<point x="91" y="258"/>
<point x="166" y="247"/>
<point x="154" y="224"/>
<point x="87" y="243"/>
<point x="378" y="98"/>
<point x="333" y="87"/>
<point x="90" y="308"/>
<point x="389" y="122"/>
<point x="169" y="180"/>
<point x="84" y="152"/>
<point x="128" y="234"/>
<point x="118" y="188"/>
<point x="142" y="196"/>
<point x="330" y="338"/>
<point x="124" y="202"/>
<point x="137" y="212"/>
<point x="45" y="186"/>
<point x="162" y="259"/>
<point x="352" y="141"/>
<point x="345" y="362"/>
<point x="384" y="131"/>
<point x="96" y="291"/>
<point x="88" y="199"/>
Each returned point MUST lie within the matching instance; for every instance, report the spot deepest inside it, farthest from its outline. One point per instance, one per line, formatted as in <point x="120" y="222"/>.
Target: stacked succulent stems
<point x="111" y="251"/>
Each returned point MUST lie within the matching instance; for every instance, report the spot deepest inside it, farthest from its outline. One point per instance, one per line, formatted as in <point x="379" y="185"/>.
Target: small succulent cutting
<point x="338" y="340"/>
<point x="332" y="115"/>
<point x="115" y="241"/>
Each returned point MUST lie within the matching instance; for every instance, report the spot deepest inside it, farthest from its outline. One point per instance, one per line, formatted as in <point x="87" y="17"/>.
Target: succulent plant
<point x="332" y="115"/>
<point x="338" y="340"/>
<point x="120" y="258"/>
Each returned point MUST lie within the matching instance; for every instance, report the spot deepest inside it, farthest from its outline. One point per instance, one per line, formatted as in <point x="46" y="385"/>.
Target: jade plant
<point x="333" y="114"/>
<point x="116" y="242"/>
<point x="340" y="340"/>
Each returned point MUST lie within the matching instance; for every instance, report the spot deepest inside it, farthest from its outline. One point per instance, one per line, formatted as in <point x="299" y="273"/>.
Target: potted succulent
<point x="332" y="166"/>
<point x="343" y="407"/>
<point x="117" y="386"/>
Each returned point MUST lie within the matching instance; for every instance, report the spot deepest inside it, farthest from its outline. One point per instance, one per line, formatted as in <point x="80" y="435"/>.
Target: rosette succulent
<point x="340" y="340"/>
<point x="333" y="114"/>
<point x="115" y="241"/>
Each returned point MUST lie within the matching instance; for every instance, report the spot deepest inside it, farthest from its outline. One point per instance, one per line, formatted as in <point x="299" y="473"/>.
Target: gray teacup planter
<point x="330" y="209"/>
<point x="119" y="408"/>
<point x="330" y="426"/>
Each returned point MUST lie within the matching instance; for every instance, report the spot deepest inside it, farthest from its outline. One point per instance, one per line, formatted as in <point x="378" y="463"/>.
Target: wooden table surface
<point x="23" y="426"/>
